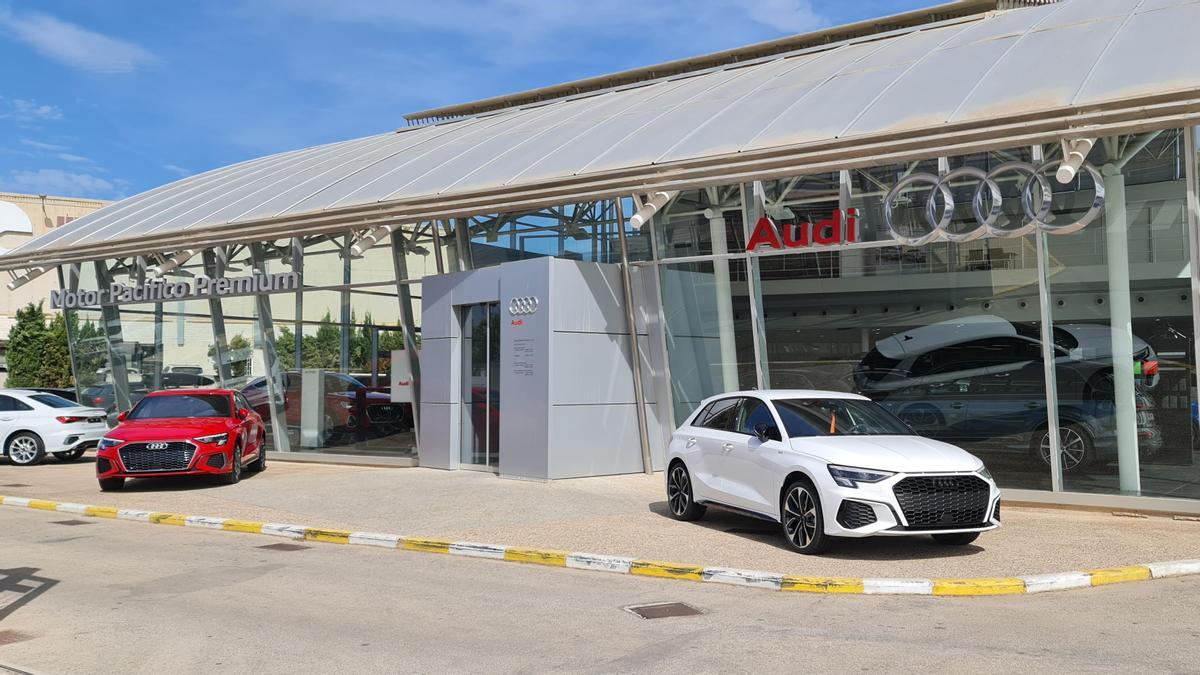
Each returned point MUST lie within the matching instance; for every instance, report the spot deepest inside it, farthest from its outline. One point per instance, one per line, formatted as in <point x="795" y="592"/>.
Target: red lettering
<point x="795" y="235"/>
<point x="827" y="232"/>
<point x="764" y="233"/>
<point x="851" y="222"/>
<point x="518" y="322"/>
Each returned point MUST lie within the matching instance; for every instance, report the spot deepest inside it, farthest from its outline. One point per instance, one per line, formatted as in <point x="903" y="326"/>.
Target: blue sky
<point x="108" y="99"/>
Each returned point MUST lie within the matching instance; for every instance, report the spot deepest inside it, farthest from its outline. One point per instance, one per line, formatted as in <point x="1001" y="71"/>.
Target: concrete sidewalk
<point x="620" y="515"/>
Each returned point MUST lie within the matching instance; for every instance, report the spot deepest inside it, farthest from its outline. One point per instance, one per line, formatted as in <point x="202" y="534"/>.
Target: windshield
<point x="54" y="401"/>
<point x="184" y="405"/>
<point x="837" y="417"/>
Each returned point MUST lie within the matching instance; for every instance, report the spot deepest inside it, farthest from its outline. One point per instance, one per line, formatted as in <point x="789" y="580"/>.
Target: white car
<point x="842" y="466"/>
<point x="33" y="424"/>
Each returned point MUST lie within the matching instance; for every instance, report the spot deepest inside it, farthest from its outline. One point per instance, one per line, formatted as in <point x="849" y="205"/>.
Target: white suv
<point x="826" y="464"/>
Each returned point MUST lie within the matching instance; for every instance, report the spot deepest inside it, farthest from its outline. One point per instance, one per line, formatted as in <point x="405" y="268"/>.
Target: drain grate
<point x="284" y="547"/>
<point x="16" y="485"/>
<point x="71" y="522"/>
<point x="663" y="610"/>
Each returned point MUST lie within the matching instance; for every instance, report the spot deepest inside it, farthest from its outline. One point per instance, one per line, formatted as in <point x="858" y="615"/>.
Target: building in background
<point x="23" y="218"/>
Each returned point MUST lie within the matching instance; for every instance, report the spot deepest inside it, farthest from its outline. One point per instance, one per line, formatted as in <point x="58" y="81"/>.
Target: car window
<point x="52" y="401"/>
<point x="181" y="406"/>
<point x="703" y="414"/>
<point x="241" y="401"/>
<point x="722" y="415"/>
<point x="752" y="413"/>
<point x="838" y="417"/>
<point x="10" y="404"/>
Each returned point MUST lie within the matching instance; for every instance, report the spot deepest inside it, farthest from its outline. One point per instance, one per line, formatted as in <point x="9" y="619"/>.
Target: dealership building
<point x="982" y="215"/>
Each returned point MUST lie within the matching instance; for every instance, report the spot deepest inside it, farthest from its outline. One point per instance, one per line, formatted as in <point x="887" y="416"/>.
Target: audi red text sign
<point x="841" y="228"/>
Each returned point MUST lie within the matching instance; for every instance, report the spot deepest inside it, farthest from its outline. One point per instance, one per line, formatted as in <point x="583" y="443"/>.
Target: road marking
<point x="1028" y="584"/>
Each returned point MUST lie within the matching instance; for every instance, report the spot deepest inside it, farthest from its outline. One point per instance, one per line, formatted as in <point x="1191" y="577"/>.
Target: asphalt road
<point x="115" y="596"/>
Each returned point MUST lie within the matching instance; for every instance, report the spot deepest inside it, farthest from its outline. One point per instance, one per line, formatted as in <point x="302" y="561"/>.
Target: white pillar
<point x="724" y="294"/>
<point x="1121" y="317"/>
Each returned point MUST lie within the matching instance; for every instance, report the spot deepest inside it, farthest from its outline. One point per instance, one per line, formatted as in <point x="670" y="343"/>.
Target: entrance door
<point x="480" y="446"/>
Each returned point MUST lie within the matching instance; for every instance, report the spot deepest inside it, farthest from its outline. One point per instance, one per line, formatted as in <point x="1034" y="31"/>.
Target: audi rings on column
<point x="987" y="203"/>
<point x="523" y="305"/>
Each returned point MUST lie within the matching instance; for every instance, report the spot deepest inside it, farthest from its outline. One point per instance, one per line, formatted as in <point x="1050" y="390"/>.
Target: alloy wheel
<point x="679" y="490"/>
<point x="1074" y="447"/>
<point x="800" y="516"/>
<point x="23" y="450"/>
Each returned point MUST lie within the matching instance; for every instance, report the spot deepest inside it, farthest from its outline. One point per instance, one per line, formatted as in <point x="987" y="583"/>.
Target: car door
<point x="750" y="467"/>
<point x="707" y="438"/>
<point x="7" y="417"/>
<point x="16" y="414"/>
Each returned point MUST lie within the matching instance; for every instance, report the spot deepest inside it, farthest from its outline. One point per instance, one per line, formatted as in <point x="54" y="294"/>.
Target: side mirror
<point x="242" y="413"/>
<point x="122" y="416"/>
<point x="766" y="432"/>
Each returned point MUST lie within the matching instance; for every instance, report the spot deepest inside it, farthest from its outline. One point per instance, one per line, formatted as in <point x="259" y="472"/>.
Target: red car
<point x="183" y="432"/>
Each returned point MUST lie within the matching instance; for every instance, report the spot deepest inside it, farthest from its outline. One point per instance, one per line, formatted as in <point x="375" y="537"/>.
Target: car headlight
<point x="107" y="442"/>
<point x="215" y="439"/>
<point x="346" y="404"/>
<point x="983" y="471"/>
<point x="848" y="476"/>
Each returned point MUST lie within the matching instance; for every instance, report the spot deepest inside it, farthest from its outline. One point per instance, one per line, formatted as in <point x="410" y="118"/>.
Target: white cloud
<point x="22" y="110"/>
<point x="75" y="159"/>
<point x="177" y="170"/>
<point x="48" y="147"/>
<point x="62" y="183"/>
<point x="73" y="45"/>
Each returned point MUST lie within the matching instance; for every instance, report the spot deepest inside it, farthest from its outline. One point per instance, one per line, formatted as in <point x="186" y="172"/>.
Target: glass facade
<point x="1048" y="328"/>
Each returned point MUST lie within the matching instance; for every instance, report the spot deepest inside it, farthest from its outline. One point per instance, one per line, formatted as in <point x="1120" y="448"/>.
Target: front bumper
<point x="207" y="460"/>
<point x="889" y="517"/>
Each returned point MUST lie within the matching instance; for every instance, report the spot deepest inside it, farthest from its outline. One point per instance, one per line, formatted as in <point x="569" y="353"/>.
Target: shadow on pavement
<point x="869" y="548"/>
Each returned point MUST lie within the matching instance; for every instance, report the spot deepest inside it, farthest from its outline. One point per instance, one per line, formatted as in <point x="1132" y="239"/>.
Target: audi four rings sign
<point x="987" y="203"/>
<point x="523" y="306"/>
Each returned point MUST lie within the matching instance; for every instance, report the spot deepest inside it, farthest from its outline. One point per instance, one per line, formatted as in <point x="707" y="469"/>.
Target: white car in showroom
<point x="34" y="424"/>
<point x="826" y="464"/>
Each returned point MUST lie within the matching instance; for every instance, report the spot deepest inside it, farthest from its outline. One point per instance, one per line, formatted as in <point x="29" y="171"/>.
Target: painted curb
<point x="1023" y="585"/>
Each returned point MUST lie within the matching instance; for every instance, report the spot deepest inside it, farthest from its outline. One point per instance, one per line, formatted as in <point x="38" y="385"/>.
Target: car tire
<point x="802" y="518"/>
<point x="956" y="538"/>
<point x="1078" y="448"/>
<point x="25" y="448"/>
<point x="260" y="463"/>
<point x="679" y="495"/>
<point x="111" y="484"/>
<point x="70" y="455"/>
<point x="235" y="469"/>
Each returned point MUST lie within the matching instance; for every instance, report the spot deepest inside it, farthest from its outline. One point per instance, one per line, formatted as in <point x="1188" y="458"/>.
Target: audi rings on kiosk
<point x="523" y="306"/>
<point x="987" y="203"/>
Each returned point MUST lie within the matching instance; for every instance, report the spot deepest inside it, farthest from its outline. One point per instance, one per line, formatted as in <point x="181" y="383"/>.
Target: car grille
<point x="853" y="515"/>
<point x="382" y="413"/>
<point x="148" y="457"/>
<point x="943" y="501"/>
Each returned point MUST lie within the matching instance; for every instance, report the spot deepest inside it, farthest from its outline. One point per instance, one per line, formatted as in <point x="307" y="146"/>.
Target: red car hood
<point x="170" y="429"/>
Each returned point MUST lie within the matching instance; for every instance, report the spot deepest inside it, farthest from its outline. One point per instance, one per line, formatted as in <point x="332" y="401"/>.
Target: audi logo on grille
<point x="523" y="306"/>
<point x="987" y="203"/>
<point x="157" y="446"/>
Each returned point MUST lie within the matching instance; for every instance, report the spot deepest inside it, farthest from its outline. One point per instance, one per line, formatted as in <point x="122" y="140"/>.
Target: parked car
<point x="185" y="370"/>
<point x="981" y="380"/>
<point x="349" y="404"/>
<point x="183" y="432"/>
<point x="34" y="423"/>
<point x="104" y="396"/>
<point x="177" y="379"/>
<point x="69" y="394"/>
<point x="824" y="465"/>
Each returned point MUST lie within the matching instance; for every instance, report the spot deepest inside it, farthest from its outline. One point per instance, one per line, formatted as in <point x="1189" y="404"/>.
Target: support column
<point x="298" y="318"/>
<point x="635" y="356"/>
<point x="266" y="341"/>
<point x="462" y="244"/>
<point x="344" y="361"/>
<point x="724" y="294"/>
<point x="110" y="316"/>
<point x="68" y="280"/>
<point x="1121" y="318"/>
<point x="220" y="342"/>
<point x="404" y="294"/>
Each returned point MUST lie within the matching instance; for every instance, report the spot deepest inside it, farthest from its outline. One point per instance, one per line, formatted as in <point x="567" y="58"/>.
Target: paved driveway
<point x="620" y="515"/>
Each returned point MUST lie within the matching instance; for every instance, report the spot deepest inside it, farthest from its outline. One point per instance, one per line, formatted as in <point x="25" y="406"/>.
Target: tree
<point x="27" y="347"/>
<point x="56" y="359"/>
<point x="238" y="355"/>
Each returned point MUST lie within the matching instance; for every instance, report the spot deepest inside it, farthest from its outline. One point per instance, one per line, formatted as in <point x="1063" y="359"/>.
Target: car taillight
<point x="1150" y="368"/>
<point x="70" y="420"/>
<point x="98" y="401"/>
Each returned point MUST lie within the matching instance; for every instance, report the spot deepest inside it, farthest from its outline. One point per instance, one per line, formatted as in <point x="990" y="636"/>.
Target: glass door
<point x="480" y="390"/>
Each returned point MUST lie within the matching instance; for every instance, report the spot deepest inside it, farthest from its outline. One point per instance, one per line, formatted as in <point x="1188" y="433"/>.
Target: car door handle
<point x="691" y="442"/>
<point x="728" y="447"/>
<point x="7" y="419"/>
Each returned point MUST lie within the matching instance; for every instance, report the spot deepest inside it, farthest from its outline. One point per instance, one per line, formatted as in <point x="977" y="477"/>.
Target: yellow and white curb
<point x="1022" y="585"/>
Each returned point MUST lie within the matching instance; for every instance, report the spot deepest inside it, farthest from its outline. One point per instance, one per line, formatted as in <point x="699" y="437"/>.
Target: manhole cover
<point x="8" y="637"/>
<point x="663" y="610"/>
<point x="284" y="547"/>
<point x="16" y="485"/>
<point x="71" y="522"/>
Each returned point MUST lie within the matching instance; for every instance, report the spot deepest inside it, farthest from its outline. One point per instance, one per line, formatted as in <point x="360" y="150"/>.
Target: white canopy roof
<point x="1069" y="57"/>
